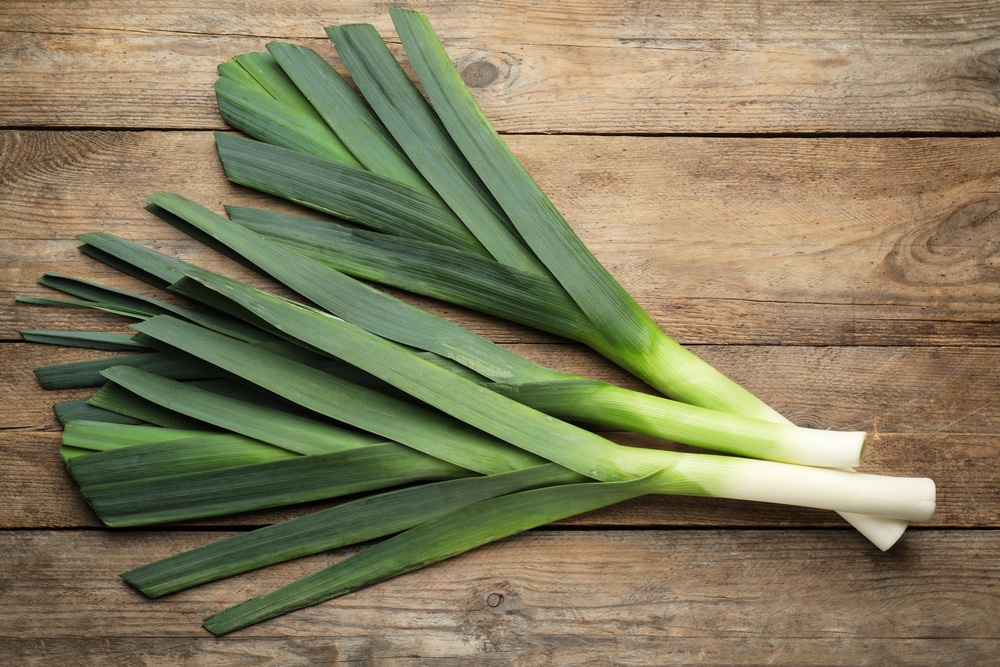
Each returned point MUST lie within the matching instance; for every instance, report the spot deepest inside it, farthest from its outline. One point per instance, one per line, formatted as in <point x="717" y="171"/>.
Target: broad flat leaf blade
<point x="94" y="340"/>
<point x="406" y="114"/>
<point x="352" y="522"/>
<point x="393" y="419"/>
<point x="178" y="459"/>
<point x="101" y="436"/>
<point x="433" y="270"/>
<point x="282" y="429"/>
<point x="357" y="302"/>
<point x="242" y="488"/>
<point x="267" y="119"/>
<point x="79" y="409"/>
<point x="346" y="114"/>
<point x="87" y="373"/>
<point x="352" y="194"/>
<point x="432" y="541"/>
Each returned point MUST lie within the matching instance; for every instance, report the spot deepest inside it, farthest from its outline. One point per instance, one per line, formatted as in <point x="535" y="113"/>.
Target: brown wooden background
<point x="808" y="194"/>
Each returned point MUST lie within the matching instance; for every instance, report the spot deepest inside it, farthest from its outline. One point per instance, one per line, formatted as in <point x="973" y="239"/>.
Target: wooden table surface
<point x="807" y="194"/>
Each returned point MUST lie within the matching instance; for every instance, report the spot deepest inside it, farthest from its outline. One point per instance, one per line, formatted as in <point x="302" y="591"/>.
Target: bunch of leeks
<point x="430" y="153"/>
<point x="251" y="400"/>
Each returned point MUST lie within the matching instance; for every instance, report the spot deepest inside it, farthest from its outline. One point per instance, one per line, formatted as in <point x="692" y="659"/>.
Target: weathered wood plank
<point x="776" y="241"/>
<point x="631" y="651"/>
<point x="676" y="67"/>
<point x="851" y="281"/>
<point x="577" y="592"/>
<point x="695" y="319"/>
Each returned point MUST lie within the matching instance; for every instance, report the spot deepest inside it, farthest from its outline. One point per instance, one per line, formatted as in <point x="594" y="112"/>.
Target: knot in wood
<point x="480" y="73"/>
<point x="494" y="599"/>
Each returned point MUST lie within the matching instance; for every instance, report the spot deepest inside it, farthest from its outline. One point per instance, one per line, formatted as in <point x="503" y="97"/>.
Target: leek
<point x="600" y="403"/>
<point x="535" y="432"/>
<point x="749" y="484"/>
<point x="596" y="402"/>
<point x="363" y="392"/>
<point x="633" y="338"/>
<point x="177" y="495"/>
<point x="475" y="404"/>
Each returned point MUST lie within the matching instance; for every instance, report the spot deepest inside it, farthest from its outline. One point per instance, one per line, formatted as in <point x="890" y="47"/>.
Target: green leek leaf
<point x="406" y="114"/>
<point x="95" y="340"/>
<point x="346" y="114"/>
<point x="349" y="523"/>
<point x="342" y="191"/>
<point x="230" y="489"/>
<point x="432" y="541"/>
<point x="394" y="419"/>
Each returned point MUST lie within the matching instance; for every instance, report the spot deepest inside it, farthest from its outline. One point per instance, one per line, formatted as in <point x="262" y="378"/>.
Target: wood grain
<point x="776" y="241"/>
<point x="676" y="67"/>
<point x="803" y="193"/>
<point x="631" y="651"/>
<point x="636" y="597"/>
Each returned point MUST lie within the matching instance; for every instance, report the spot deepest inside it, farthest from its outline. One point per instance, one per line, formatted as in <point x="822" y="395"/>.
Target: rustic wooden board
<point x="675" y="67"/>
<point x="636" y="650"/>
<point x="804" y="193"/>
<point x="834" y="241"/>
<point x="635" y="597"/>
